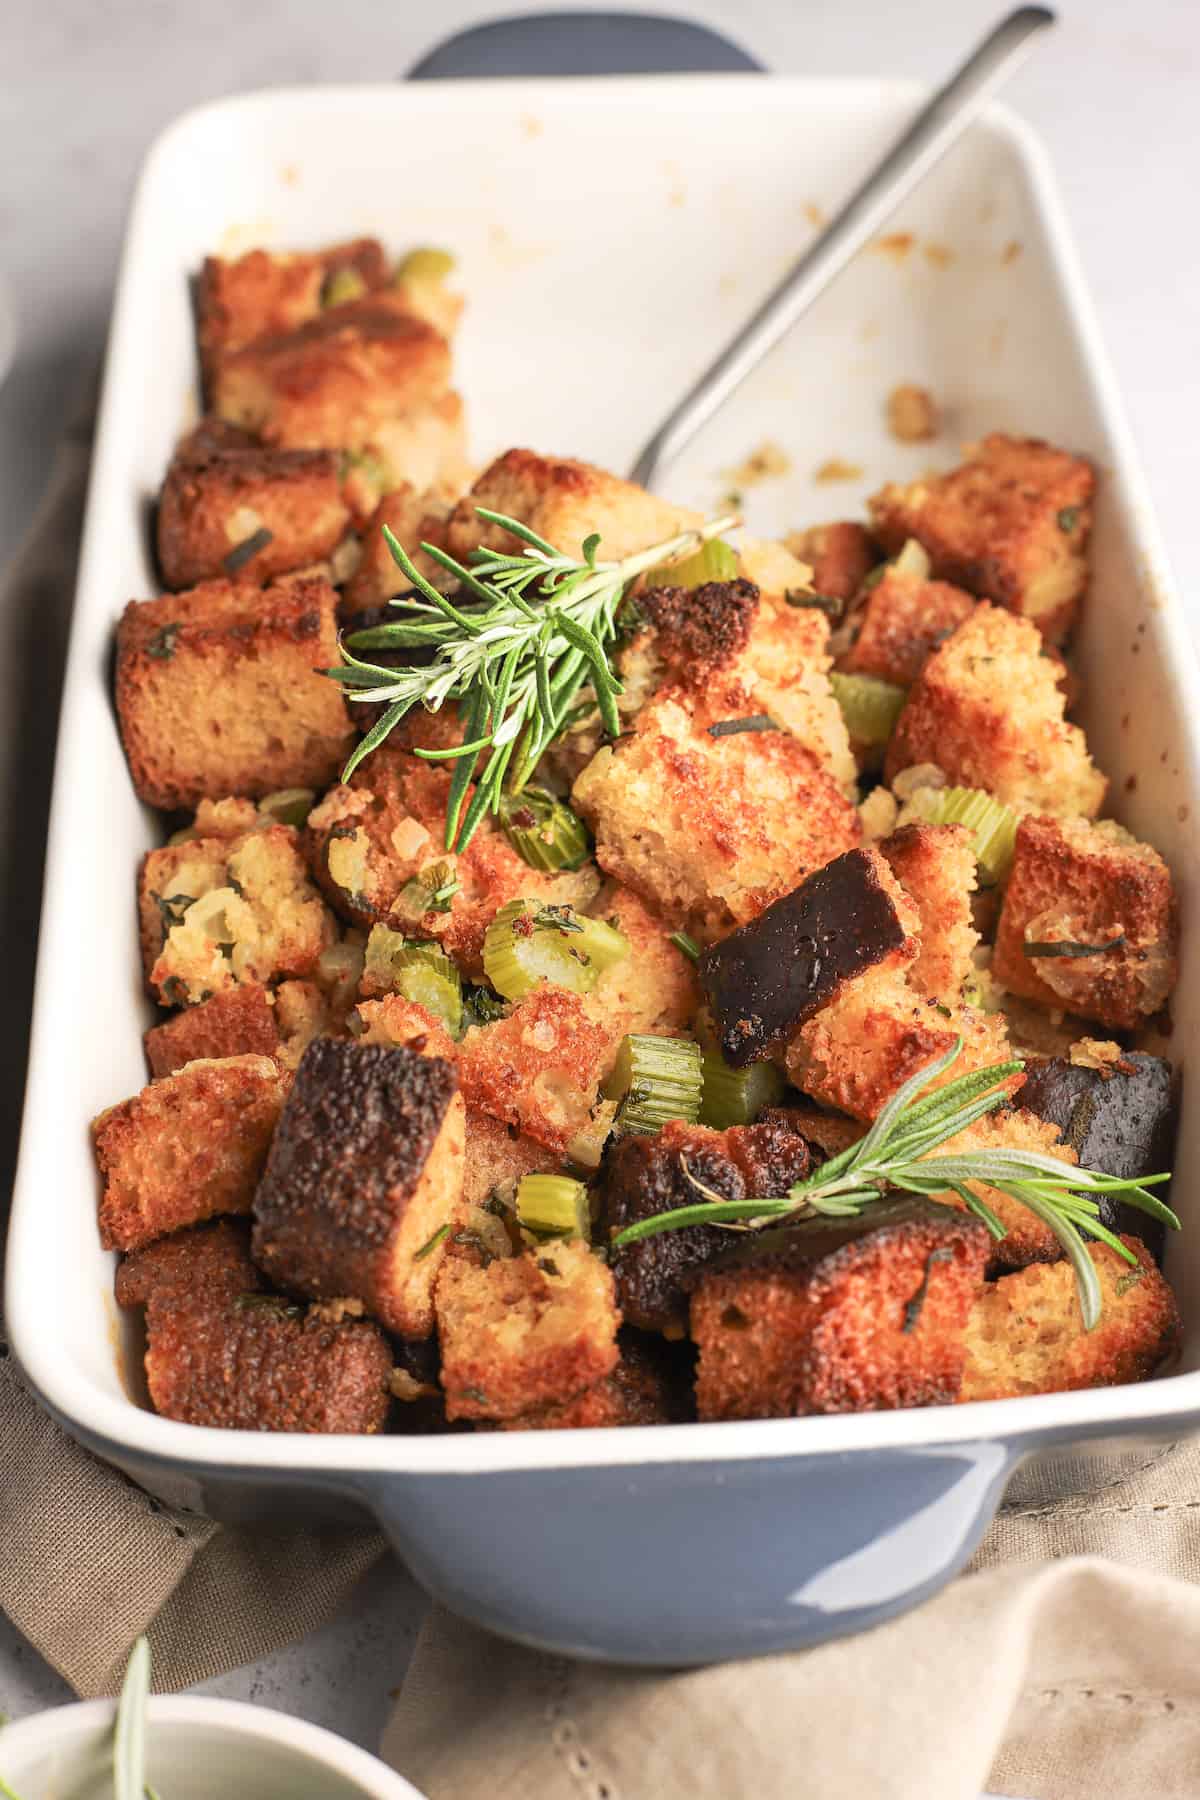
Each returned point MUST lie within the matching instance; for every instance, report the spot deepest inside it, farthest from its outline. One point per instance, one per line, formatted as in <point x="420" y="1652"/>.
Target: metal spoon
<point x="932" y="132"/>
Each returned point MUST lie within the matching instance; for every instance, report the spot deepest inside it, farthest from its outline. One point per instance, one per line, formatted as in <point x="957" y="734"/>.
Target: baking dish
<point x="610" y="234"/>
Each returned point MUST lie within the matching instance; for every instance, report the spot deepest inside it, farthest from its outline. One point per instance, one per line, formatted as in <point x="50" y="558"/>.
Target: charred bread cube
<point x="826" y="1133"/>
<point x="539" y="1067"/>
<point x="216" y="912"/>
<point x="766" y="979"/>
<point x="903" y="619"/>
<point x="1026" y="1335"/>
<point x="253" y="513"/>
<point x="650" y="1385"/>
<point x="1010" y="524"/>
<point x="648" y="1175"/>
<point x="1027" y="1239"/>
<point x="987" y="710"/>
<point x="364" y="1180"/>
<point x="935" y="865"/>
<point x="412" y="517"/>
<point x="186" y="1148"/>
<point x="847" y="1315"/>
<point x="220" y="691"/>
<point x="1118" y="1116"/>
<point x="525" y="1332"/>
<point x="221" y="1352"/>
<point x="266" y="292"/>
<point x="840" y="555"/>
<point x="239" y="1021"/>
<point x="1076" y="887"/>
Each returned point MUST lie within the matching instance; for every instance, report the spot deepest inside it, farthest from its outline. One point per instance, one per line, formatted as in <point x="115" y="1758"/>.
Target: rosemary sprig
<point x="895" y="1154"/>
<point x="529" y="631"/>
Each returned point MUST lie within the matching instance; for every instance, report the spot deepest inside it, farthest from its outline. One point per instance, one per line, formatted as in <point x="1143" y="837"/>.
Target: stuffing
<point x="1075" y="883"/>
<point x="1025" y="1334"/>
<point x="185" y="1149"/>
<point x="935" y="864"/>
<point x="214" y="912"/>
<point x="841" y="556"/>
<point x="414" y="518"/>
<point x="539" y="1067"/>
<point x="266" y="292"/>
<point x="525" y="1332"/>
<point x="987" y="710"/>
<point x="220" y="691"/>
<point x="363" y="1181"/>
<point x="847" y="1315"/>
<point x="254" y="513"/>
<point x="1010" y="524"/>
<point x="239" y="1021"/>
<point x="304" y="1010"/>
<point x="1027" y="1238"/>
<point x="221" y="1352"/>
<point x="903" y="618"/>
<point x="647" y="1387"/>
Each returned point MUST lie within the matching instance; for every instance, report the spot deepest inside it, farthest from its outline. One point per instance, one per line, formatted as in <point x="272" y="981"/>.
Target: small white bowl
<point x="197" y="1749"/>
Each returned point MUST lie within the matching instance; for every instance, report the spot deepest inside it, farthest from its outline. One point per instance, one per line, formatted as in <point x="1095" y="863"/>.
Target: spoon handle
<point x="927" y="139"/>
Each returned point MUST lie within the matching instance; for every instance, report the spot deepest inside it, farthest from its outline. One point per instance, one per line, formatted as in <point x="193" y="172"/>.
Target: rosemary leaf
<point x="1068" y="947"/>
<point x="732" y="727"/>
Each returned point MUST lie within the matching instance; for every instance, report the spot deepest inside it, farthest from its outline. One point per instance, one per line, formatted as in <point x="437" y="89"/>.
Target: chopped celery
<point x="290" y="806"/>
<point x="553" y="1203"/>
<point x="543" y="830"/>
<point x="994" y="825"/>
<point x="869" y="706"/>
<point x="656" y="1079"/>
<point x="714" y="561"/>
<point x="425" y="264"/>
<point x="529" y="941"/>
<point x="421" y="972"/>
<point x="736" y="1096"/>
<point x="341" y="286"/>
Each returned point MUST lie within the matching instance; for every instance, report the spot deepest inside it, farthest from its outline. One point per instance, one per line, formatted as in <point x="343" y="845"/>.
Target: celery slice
<point x="289" y="806"/>
<point x="421" y="972"/>
<point x="736" y="1096"/>
<point x="553" y="1204"/>
<point x="714" y="561"/>
<point x="530" y="941"/>
<point x="655" y="1079"/>
<point x="993" y="824"/>
<point x="543" y="830"/>
<point x="425" y="264"/>
<point x="869" y="706"/>
<point x="342" y="286"/>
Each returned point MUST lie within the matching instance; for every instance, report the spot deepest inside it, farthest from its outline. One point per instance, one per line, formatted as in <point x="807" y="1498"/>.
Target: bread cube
<point x="647" y="1387"/>
<point x="497" y="1156"/>
<point x="185" y="1149"/>
<point x="539" y="1068"/>
<point x="215" y="912"/>
<point x="987" y="709"/>
<point x="1027" y="1238"/>
<point x="525" y="1332"/>
<point x="396" y="1020"/>
<point x="414" y="518"/>
<point x="1079" y="885"/>
<point x="839" y="1315"/>
<point x="903" y="619"/>
<point x="653" y="989"/>
<point x="363" y="1181"/>
<point x="266" y="292"/>
<point x="1025" y="1334"/>
<point x="935" y="864"/>
<point x="644" y="1176"/>
<point x="221" y="1352"/>
<point x="220" y="691"/>
<point x="1010" y="524"/>
<point x="304" y="1010"/>
<point x="239" y="1021"/>
<point x="840" y="555"/>
<point x="253" y="513"/>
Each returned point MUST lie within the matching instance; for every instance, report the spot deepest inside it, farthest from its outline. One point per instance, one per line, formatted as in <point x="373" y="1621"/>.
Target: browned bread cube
<point x="987" y="709"/>
<point x="363" y="1181"/>
<point x="185" y="1149"/>
<point x="539" y="1068"/>
<point x="221" y="1352"/>
<point x="1027" y="1238"/>
<point x="649" y="1175"/>
<point x="647" y="1387"/>
<point x="902" y="620"/>
<point x="1025" y="1334"/>
<point x="239" y="1021"/>
<point x="266" y="292"/>
<point x="219" y="691"/>
<point x="1078" y="885"/>
<point x="847" y="1315"/>
<point x="525" y="1332"/>
<point x="216" y="912"/>
<point x="935" y="864"/>
<point x="1010" y="524"/>
<point x="841" y="556"/>
<point x="564" y="502"/>
<point x="654" y="988"/>
<point x="395" y="1020"/>
<point x="254" y="513"/>
<point x="412" y="517"/>
<point x="497" y="1156"/>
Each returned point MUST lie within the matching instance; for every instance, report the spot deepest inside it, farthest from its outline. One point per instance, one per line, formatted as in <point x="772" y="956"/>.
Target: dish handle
<point x="583" y="43"/>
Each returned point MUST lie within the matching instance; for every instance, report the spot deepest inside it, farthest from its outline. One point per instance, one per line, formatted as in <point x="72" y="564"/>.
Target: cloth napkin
<point x="1066" y="1676"/>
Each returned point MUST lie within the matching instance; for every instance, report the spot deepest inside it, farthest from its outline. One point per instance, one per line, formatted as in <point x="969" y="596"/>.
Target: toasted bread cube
<point x="215" y="507"/>
<point x="304" y="1010"/>
<point x="988" y="711"/>
<point x="220" y="691"/>
<point x="935" y="864"/>
<point x="709" y="830"/>
<point x="849" y="1315"/>
<point x="876" y="1033"/>
<point x="395" y="1020"/>
<point x="497" y="1156"/>
<point x="648" y="1175"/>
<point x="654" y="988"/>
<point x="539" y="1068"/>
<point x="1078" y="884"/>
<point x="215" y="912"/>
<point x="266" y="292"/>
<point x="525" y="1332"/>
<point x="1027" y="1238"/>
<point x="414" y="518"/>
<point x="840" y="555"/>
<point x="220" y="1351"/>
<point x="364" y="1179"/>
<point x="1026" y="1335"/>
<point x="239" y="1021"/>
<point x="564" y="502"/>
<point x="186" y="1148"/>
<point x="1010" y="524"/>
<point x="647" y="1387"/>
<point x="902" y="621"/>
<point x="339" y="381"/>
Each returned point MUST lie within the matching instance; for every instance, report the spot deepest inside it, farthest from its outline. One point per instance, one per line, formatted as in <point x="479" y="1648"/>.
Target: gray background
<point x="85" y="87"/>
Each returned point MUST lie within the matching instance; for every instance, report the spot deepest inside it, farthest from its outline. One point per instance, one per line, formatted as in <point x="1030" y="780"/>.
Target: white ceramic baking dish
<point x="610" y="235"/>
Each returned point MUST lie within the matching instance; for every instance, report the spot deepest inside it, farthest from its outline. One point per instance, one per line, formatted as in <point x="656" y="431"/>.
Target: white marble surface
<point x="84" y="90"/>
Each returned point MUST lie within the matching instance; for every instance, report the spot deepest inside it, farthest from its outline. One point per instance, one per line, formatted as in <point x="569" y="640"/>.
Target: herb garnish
<point x="915" y="1307"/>
<point x="534" y="632"/>
<point x="1069" y="947"/>
<point x="1068" y="518"/>
<point x="829" y="604"/>
<point x="162" y="644"/>
<point x="172" y="907"/>
<point x="241" y="553"/>
<point x="688" y="945"/>
<point x="731" y="727"/>
<point x="274" y="1303"/>
<point x="895" y="1153"/>
<point x="432" y="1243"/>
